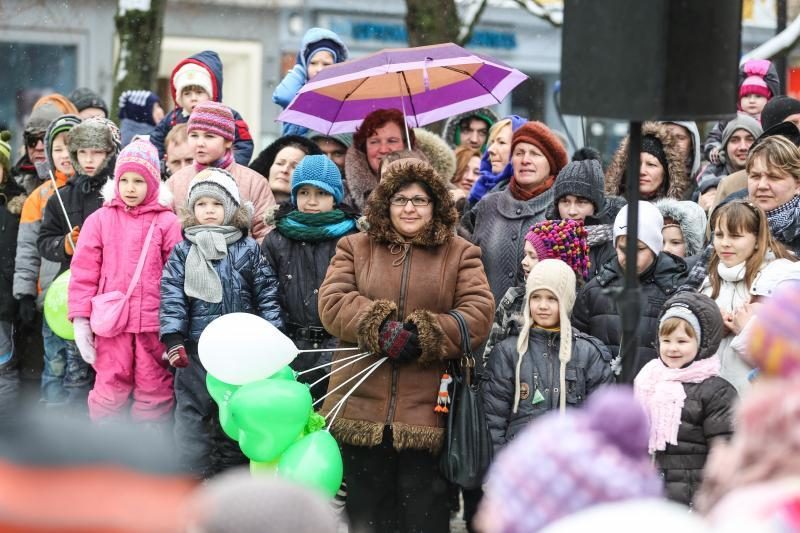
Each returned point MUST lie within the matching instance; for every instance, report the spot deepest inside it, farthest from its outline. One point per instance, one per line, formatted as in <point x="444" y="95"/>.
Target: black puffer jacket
<point x="589" y="367"/>
<point x="595" y="311"/>
<point x="12" y="196"/>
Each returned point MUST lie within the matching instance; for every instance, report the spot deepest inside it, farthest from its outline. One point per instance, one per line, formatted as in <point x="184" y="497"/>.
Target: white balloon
<point x="239" y="348"/>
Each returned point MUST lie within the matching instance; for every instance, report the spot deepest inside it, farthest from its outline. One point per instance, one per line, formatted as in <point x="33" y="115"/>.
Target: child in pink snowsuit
<point x="105" y="260"/>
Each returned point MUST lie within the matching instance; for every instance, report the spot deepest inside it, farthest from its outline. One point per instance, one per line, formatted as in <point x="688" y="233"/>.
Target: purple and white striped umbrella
<point x="427" y="83"/>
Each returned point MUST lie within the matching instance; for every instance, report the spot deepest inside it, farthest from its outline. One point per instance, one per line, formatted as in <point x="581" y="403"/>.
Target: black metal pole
<point x="780" y="62"/>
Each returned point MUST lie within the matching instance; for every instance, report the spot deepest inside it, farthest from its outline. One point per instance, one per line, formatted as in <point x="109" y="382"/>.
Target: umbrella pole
<point x="403" y="107"/>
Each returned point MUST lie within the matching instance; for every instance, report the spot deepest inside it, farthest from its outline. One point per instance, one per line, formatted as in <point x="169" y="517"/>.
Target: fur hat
<point x="219" y="184"/>
<point x="320" y="172"/>
<point x="192" y="74"/>
<point x="690" y="218"/>
<point x="557" y="277"/>
<point x="213" y="117"/>
<point x="651" y="223"/>
<point x="564" y="240"/>
<point x="95" y="132"/>
<point x="565" y="462"/>
<point x="741" y="122"/>
<point x="436" y="150"/>
<point x="140" y="157"/>
<point x="5" y="152"/>
<point x="539" y="135"/>
<point x="84" y="98"/>
<point x="582" y="178"/>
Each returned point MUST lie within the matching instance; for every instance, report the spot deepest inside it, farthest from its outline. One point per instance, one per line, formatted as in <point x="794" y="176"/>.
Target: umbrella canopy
<point x="428" y="83"/>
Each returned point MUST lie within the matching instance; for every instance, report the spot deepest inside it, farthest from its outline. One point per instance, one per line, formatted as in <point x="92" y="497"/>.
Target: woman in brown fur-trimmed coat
<point x="662" y="172"/>
<point x="389" y="291"/>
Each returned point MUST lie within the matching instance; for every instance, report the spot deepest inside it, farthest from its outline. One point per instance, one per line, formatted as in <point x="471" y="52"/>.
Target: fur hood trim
<point x="14" y="205"/>
<point x="109" y="193"/>
<point x="241" y="219"/>
<point x="399" y="174"/>
<point x="677" y="180"/>
<point x="439" y="154"/>
<point x="359" y="178"/>
<point x="692" y="220"/>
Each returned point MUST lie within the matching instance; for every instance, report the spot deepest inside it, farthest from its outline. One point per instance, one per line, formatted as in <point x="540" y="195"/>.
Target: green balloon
<point x="222" y="393"/>
<point x="270" y="414"/>
<point x="284" y="373"/>
<point x="55" y="307"/>
<point x="257" y="468"/>
<point x="314" y="461"/>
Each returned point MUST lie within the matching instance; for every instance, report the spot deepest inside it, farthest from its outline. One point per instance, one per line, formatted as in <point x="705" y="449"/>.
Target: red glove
<point x="177" y="356"/>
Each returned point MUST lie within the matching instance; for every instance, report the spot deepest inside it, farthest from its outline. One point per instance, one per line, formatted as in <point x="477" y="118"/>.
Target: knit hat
<point x="564" y="240"/>
<point x="138" y="106"/>
<point x="777" y="109"/>
<point x="322" y="173"/>
<point x="563" y="463"/>
<point x="192" y="74"/>
<point x="539" y="135"/>
<point x="584" y="179"/>
<point x="650" y="225"/>
<point x="95" y="132"/>
<point x="62" y="124"/>
<point x="84" y="98"/>
<point x="324" y="45"/>
<point x="557" y="277"/>
<point x="140" y="157"/>
<point x="652" y="145"/>
<point x="41" y="117"/>
<point x="345" y="139"/>
<point x="5" y="152"/>
<point x="691" y="220"/>
<point x="741" y="122"/>
<point x="773" y="343"/>
<point x="685" y="314"/>
<point x="755" y="71"/>
<point x="219" y="184"/>
<point x="213" y="117"/>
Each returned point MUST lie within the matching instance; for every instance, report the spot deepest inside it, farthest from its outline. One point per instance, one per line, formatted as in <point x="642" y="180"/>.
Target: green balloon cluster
<point x="277" y="429"/>
<point x="55" y="308"/>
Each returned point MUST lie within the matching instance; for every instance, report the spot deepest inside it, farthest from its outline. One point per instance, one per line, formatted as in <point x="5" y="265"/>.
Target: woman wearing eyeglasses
<point x="389" y="291"/>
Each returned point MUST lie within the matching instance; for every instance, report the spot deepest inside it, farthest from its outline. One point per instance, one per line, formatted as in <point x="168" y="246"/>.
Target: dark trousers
<point x="390" y="491"/>
<point x="203" y="447"/>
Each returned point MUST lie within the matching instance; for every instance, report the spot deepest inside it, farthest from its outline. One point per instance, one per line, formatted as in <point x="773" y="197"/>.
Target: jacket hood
<point x="708" y="315"/>
<point x="210" y="61"/>
<point x="314" y="35"/>
<point x="404" y="172"/>
<point x="694" y="133"/>
<point x="692" y="220"/>
<point x="439" y="154"/>
<point x="677" y="179"/>
<point x="452" y="128"/>
<point x="163" y="202"/>
<point x="62" y="124"/>
<point x="263" y="162"/>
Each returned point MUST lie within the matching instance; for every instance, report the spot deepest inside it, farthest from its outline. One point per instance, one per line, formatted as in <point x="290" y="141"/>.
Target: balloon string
<point x="367" y="354"/>
<point x="355" y="376"/>
<point x="341" y="402"/>
<point x="330" y="350"/>
<point x="342" y="360"/>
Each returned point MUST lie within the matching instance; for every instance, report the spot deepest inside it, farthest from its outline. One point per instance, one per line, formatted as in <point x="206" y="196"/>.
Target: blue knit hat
<point x="322" y="173"/>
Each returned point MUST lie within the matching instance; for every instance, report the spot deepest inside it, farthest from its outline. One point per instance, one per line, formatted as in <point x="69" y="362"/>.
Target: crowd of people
<point x="387" y="239"/>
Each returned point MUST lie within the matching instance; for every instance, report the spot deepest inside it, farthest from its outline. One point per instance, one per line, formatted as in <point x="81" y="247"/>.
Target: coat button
<point x="555" y="390"/>
<point x="547" y="390"/>
<point x="510" y="274"/>
<point x="519" y="211"/>
<point x="513" y="237"/>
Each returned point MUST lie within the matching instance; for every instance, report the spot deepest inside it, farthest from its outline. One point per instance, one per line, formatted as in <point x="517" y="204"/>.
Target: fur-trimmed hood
<point x="677" y="179"/>
<point x="163" y="201"/>
<point x="690" y="217"/>
<point x="439" y="154"/>
<point x="360" y="181"/>
<point x="399" y="174"/>
<point x="452" y="128"/>
<point x="241" y="219"/>
<point x="695" y="151"/>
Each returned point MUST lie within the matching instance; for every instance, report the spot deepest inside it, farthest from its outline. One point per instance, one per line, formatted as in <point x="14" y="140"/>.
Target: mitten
<point x="177" y="356"/>
<point x="27" y="309"/>
<point x="398" y="341"/>
<point x="74" y="234"/>
<point x="84" y="339"/>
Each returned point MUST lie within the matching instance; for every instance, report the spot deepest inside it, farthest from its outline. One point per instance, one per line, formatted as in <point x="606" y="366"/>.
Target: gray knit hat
<point x="219" y="184"/>
<point x="584" y="179"/>
<point x="741" y="122"/>
<point x="84" y="98"/>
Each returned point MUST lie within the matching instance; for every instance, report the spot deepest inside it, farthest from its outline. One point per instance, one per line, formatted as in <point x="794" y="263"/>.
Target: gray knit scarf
<point x="209" y="243"/>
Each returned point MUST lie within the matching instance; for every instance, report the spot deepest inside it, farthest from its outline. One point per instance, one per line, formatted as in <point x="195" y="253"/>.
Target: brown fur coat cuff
<point x="370" y="324"/>
<point x="431" y="337"/>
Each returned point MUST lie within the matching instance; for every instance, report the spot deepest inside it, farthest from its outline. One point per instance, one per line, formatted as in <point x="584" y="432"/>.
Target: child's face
<point x="733" y="247"/>
<point x="544" y="309"/>
<point x="673" y="241"/>
<point x="644" y="255"/>
<point x="191" y="96"/>
<point x="158" y="113"/>
<point x="752" y="103"/>
<point x="90" y="159"/>
<point x="280" y="173"/>
<point x="575" y="207"/>
<point x="319" y="61"/>
<point x="207" y="147"/>
<point x="178" y="156"/>
<point x="60" y="154"/>
<point x="313" y="200"/>
<point x="679" y="348"/>
<point x="132" y="188"/>
<point x="529" y="259"/>
<point x="209" y="211"/>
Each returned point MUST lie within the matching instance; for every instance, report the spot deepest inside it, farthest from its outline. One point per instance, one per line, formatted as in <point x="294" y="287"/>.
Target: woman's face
<point x="386" y="140"/>
<point x="770" y="187"/>
<point x="531" y="168"/>
<point x="471" y="174"/>
<point x="408" y="219"/>
<point x="280" y="173"/>
<point x="500" y="150"/>
<point x="651" y="175"/>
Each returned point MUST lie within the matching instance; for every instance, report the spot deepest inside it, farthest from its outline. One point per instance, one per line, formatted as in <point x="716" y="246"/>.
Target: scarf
<point x="488" y="181"/>
<point x="223" y="162"/>
<point x="731" y="274"/>
<point x="209" y="243"/>
<point x="315" y="227"/>
<point x="660" y="390"/>
<point x="599" y="234"/>
<point x="520" y="193"/>
<point x="780" y="218"/>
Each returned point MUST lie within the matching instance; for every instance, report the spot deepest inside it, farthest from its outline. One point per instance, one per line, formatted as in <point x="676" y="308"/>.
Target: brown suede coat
<point x="375" y="276"/>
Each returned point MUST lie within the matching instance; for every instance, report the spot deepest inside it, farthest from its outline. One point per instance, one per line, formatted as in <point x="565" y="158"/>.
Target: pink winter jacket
<point x="108" y="250"/>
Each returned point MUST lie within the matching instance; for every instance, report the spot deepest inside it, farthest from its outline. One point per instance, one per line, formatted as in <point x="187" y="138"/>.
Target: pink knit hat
<point x="213" y="117"/>
<point x="564" y="240"/>
<point x="140" y="157"/>
<point x="755" y="71"/>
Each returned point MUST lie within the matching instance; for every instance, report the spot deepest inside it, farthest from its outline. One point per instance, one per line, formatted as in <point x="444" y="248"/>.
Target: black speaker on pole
<point x="650" y="59"/>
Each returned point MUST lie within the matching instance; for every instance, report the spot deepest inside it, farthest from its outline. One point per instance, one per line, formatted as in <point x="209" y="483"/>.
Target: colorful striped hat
<point x="213" y="117"/>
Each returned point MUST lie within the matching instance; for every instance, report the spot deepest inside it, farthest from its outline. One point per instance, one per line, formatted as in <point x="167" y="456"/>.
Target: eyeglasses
<point x="32" y="139"/>
<point x="416" y="201"/>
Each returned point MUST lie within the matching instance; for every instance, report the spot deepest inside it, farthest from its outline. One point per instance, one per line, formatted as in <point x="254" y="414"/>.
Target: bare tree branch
<point x="535" y="7"/>
<point x="469" y="21"/>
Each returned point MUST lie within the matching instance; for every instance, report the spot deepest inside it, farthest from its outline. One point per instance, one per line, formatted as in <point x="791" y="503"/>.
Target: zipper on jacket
<point x="555" y="369"/>
<point x="401" y="312"/>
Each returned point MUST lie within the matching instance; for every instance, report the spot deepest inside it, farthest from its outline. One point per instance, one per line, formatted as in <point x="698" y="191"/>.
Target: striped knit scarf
<point x="223" y="162"/>
<point x="782" y="217"/>
<point x="315" y="227"/>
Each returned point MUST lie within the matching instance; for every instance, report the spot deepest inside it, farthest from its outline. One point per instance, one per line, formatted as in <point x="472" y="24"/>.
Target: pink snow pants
<point x="131" y="364"/>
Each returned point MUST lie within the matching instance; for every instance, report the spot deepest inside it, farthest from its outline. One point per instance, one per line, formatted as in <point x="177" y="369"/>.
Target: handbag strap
<point x="467" y="359"/>
<point x="142" y="257"/>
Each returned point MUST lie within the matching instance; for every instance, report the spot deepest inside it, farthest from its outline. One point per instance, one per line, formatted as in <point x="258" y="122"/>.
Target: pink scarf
<point x="660" y="390"/>
<point x="223" y="162"/>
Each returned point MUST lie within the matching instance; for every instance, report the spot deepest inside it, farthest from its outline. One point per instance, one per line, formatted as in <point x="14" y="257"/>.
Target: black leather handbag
<point x="467" y="450"/>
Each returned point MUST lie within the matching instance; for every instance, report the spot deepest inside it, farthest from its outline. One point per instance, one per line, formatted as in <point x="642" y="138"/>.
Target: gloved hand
<point x="27" y="309"/>
<point x="84" y="338"/>
<point x="399" y="341"/>
<point x="713" y="155"/>
<point x="177" y="356"/>
<point x="76" y="231"/>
